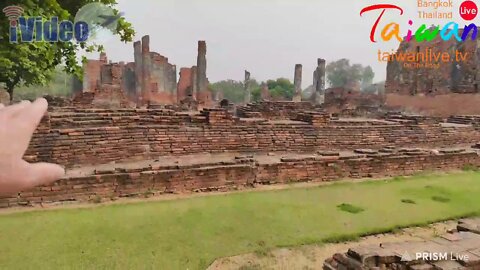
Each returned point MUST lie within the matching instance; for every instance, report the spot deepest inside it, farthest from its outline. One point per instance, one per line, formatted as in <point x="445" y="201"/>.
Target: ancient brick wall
<point x="274" y="110"/>
<point x="100" y="136"/>
<point x="91" y="74"/>
<point x="438" y="105"/>
<point x="434" y="77"/>
<point x="348" y="102"/>
<point x="150" y="180"/>
<point x="184" y="87"/>
<point x="334" y="168"/>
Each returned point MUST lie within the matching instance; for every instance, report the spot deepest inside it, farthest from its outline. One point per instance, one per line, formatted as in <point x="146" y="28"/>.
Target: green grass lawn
<point x="191" y="233"/>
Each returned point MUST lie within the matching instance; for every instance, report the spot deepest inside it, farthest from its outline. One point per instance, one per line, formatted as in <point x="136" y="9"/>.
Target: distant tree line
<point x="234" y="91"/>
<point x="341" y="73"/>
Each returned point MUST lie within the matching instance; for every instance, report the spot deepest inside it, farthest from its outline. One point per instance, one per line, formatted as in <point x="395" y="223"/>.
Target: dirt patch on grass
<point x="313" y="256"/>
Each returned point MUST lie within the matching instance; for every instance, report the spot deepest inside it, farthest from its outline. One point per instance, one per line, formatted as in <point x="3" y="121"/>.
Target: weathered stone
<point x="434" y="79"/>
<point x="452" y="151"/>
<point x="265" y="92"/>
<point x="319" y="82"/>
<point x="246" y="83"/>
<point x="204" y="96"/>
<point x="328" y="153"/>
<point x="298" y="83"/>
<point x="458" y="250"/>
<point x="366" y="151"/>
<point x="149" y="79"/>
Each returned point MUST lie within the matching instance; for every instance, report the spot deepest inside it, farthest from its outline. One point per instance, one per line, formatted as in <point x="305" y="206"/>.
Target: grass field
<point x="191" y="233"/>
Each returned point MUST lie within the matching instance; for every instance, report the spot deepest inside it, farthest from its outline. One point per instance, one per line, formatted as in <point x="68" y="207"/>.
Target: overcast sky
<point x="266" y="37"/>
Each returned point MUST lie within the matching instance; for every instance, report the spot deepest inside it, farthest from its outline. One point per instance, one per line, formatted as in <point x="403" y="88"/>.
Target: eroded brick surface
<point x="457" y="249"/>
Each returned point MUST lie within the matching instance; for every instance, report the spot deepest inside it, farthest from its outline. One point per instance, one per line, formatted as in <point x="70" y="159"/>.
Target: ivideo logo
<point x="38" y="29"/>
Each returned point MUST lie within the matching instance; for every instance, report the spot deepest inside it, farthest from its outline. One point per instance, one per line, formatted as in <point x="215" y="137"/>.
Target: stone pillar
<point x="248" y="94"/>
<point x="137" y="48"/>
<point x="147" y="65"/>
<point x="103" y="58"/>
<point x="319" y="82"/>
<point x="173" y="82"/>
<point x="298" y="83"/>
<point x="194" y="90"/>
<point x="202" y="82"/>
<point x="265" y="92"/>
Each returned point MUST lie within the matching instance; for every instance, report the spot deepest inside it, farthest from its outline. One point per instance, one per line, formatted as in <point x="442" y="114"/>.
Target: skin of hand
<point x="17" y="124"/>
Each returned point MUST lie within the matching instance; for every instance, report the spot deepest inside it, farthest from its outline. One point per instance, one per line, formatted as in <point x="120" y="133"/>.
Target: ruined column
<point x="172" y="78"/>
<point x="194" y="90"/>
<point x="248" y="94"/>
<point x="298" y="83"/>
<point x="103" y="58"/>
<point x="137" y="48"/>
<point x="319" y="82"/>
<point x="265" y="92"/>
<point x="146" y="65"/>
<point x="202" y="82"/>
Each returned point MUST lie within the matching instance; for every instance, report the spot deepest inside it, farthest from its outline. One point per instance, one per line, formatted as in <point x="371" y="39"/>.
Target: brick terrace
<point x="139" y="152"/>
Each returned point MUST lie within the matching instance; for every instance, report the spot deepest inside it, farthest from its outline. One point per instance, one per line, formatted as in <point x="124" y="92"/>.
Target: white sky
<point x="266" y="37"/>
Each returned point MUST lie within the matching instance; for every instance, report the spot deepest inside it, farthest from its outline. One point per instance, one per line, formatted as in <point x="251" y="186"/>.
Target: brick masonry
<point x="92" y="136"/>
<point x="157" y="177"/>
<point x="452" y="77"/>
<point x="456" y="249"/>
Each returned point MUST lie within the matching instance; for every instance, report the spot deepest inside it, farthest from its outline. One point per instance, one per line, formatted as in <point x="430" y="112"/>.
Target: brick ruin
<point x="164" y="135"/>
<point x="348" y="102"/>
<point x="456" y="249"/>
<point x="433" y="87"/>
<point x="150" y="79"/>
<point x="115" y="153"/>
<point x="319" y="81"/>
<point x="434" y="77"/>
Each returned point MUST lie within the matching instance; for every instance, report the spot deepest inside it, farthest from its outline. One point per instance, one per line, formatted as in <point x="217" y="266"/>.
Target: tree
<point x="34" y="63"/>
<point x="280" y="89"/>
<point x="61" y="84"/>
<point x="367" y="77"/>
<point x="340" y="74"/>
<point x="232" y="90"/>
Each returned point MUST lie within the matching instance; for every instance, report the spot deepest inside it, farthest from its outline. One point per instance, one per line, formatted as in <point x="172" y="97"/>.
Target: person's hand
<point x="17" y="124"/>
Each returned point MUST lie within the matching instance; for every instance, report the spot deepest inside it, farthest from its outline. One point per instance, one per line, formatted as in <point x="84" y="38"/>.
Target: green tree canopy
<point x="281" y="89"/>
<point x="234" y="91"/>
<point x="34" y="63"/>
<point x="340" y="73"/>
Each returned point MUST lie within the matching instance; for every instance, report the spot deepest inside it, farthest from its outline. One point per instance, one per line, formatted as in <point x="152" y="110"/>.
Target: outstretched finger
<point x="13" y="110"/>
<point x="2" y="106"/>
<point x="33" y="114"/>
<point x="38" y="174"/>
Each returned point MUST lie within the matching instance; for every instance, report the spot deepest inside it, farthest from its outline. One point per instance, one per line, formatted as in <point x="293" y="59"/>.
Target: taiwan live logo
<point x="468" y="11"/>
<point x="37" y="29"/>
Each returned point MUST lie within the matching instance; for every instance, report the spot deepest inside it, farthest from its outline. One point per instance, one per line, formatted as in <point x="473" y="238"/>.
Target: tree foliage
<point x="232" y="90"/>
<point x="340" y="73"/>
<point x="34" y="63"/>
<point x="60" y="85"/>
<point x="282" y="89"/>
